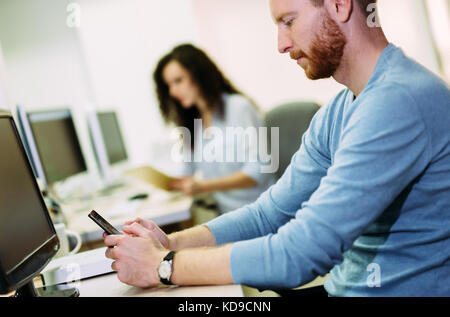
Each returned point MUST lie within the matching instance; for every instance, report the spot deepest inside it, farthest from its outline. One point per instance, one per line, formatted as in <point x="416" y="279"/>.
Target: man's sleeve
<point x="383" y="148"/>
<point x="276" y="206"/>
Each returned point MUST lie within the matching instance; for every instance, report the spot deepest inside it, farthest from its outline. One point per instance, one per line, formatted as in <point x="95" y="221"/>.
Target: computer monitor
<point x="112" y="137"/>
<point x="28" y="141"/>
<point x="56" y="144"/>
<point x="28" y="239"/>
<point x="107" y="140"/>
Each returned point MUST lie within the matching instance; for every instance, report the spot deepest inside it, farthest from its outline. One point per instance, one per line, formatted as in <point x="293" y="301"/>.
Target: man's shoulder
<point x="403" y="77"/>
<point x="425" y="92"/>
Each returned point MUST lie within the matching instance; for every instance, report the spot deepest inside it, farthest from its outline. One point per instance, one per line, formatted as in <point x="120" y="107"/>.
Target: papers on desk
<point x="150" y="175"/>
<point x="123" y="208"/>
<point x="76" y="267"/>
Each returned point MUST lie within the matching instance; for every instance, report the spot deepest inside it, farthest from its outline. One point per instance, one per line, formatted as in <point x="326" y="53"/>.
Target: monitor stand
<point x="28" y="290"/>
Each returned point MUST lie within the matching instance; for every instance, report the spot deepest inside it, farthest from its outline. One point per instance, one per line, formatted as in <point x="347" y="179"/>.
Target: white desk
<point x="110" y="286"/>
<point x="162" y="207"/>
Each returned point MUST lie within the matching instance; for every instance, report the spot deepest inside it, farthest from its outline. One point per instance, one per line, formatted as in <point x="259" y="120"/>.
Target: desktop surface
<point x="110" y="286"/>
<point x="94" y="277"/>
<point x="160" y="206"/>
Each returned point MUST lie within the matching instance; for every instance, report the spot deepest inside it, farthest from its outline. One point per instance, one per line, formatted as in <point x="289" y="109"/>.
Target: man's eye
<point x="288" y="23"/>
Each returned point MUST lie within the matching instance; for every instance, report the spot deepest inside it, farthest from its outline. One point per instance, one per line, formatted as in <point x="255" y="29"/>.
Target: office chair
<point x="293" y="120"/>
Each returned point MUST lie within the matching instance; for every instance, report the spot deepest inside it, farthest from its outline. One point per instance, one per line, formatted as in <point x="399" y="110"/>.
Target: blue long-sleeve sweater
<point x="366" y="198"/>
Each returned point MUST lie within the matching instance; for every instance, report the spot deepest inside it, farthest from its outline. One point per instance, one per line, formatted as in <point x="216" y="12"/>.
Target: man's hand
<point x="137" y="255"/>
<point x="154" y="229"/>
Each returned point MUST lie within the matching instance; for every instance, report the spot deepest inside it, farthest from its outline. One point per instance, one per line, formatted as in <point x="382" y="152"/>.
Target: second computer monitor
<point x="107" y="141"/>
<point x="112" y="137"/>
<point x="57" y="144"/>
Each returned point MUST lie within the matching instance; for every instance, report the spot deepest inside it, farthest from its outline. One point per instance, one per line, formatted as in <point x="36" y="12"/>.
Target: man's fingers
<point x="112" y="240"/>
<point x="114" y="266"/>
<point x="136" y="229"/>
<point x="161" y="236"/>
<point x="109" y="253"/>
<point x="130" y="222"/>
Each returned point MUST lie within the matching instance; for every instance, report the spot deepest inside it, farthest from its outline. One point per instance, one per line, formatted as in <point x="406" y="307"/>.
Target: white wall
<point x="122" y="42"/>
<point x="4" y="97"/>
<point x="43" y="61"/>
<point x="439" y="17"/>
<point x="241" y="36"/>
<point x="41" y="53"/>
<point x="405" y="24"/>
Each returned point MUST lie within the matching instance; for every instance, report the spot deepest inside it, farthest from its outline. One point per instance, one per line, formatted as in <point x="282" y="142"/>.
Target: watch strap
<point x="169" y="256"/>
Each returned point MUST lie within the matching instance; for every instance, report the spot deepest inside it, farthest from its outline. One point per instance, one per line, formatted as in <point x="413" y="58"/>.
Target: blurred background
<point x="101" y="54"/>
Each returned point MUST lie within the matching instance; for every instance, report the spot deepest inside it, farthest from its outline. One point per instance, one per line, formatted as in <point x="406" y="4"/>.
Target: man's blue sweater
<point x="366" y="198"/>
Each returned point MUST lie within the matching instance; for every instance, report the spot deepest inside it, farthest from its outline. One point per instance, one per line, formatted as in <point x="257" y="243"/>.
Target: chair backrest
<point x="293" y="120"/>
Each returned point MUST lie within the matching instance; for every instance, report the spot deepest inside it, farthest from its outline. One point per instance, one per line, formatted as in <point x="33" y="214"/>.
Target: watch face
<point x="165" y="270"/>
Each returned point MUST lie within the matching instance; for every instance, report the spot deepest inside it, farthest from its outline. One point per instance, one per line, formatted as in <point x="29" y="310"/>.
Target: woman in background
<point x="190" y="86"/>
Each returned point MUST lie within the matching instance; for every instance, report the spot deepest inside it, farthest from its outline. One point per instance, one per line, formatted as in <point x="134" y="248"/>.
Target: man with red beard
<point x="366" y="197"/>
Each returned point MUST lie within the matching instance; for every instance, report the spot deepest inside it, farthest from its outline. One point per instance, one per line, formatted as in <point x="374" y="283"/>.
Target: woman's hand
<point x="188" y="185"/>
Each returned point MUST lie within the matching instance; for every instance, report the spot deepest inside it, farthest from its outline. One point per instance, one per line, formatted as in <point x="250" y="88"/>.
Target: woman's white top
<point x="234" y="143"/>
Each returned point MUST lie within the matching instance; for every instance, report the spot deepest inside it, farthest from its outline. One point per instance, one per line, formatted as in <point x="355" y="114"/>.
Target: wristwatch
<point x="165" y="268"/>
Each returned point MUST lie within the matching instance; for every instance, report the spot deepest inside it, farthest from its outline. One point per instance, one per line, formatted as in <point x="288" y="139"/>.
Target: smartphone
<point x="105" y="225"/>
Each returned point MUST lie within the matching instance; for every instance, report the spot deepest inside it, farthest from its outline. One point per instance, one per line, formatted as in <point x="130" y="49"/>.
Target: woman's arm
<point x="238" y="180"/>
<point x="192" y="186"/>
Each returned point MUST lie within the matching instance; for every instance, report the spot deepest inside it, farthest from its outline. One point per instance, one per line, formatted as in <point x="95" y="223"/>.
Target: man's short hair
<point x="363" y="5"/>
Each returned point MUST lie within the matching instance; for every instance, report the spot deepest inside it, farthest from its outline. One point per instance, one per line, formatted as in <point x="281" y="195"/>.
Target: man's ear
<point x="340" y="10"/>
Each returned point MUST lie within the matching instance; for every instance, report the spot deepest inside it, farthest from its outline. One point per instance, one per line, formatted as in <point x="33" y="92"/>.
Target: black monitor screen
<point x="24" y="223"/>
<point x="57" y="143"/>
<point x="112" y="137"/>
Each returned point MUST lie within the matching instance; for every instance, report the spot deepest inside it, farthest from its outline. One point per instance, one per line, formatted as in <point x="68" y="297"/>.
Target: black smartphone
<point x="105" y="225"/>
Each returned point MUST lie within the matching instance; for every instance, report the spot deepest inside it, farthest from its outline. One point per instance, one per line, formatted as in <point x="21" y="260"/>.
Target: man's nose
<point x="284" y="43"/>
